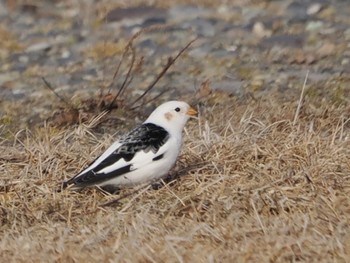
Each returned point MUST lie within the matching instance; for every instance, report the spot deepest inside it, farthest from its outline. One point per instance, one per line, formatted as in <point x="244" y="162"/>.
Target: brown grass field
<point x="253" y="184"/>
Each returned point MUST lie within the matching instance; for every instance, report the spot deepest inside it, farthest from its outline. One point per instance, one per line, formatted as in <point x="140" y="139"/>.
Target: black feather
<point x="158" y="157"/>
<point x="147" y="137"/>
<point x="93" y="178"/>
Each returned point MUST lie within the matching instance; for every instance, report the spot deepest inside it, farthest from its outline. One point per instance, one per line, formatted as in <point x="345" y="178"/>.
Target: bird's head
<point x="172" y="115"/>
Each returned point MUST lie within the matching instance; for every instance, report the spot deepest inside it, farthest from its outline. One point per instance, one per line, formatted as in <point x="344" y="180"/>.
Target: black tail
<point x="63" y="186"/>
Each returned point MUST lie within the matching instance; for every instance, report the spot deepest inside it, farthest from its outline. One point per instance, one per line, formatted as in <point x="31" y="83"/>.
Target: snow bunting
<point x="146" y="153"/>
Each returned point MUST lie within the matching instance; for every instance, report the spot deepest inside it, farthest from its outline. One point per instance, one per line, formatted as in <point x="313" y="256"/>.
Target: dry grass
<point x="252" y="187"/>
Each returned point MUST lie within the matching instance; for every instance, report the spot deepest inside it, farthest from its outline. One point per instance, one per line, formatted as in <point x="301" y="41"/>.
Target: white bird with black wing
<point x="145" y="154"/>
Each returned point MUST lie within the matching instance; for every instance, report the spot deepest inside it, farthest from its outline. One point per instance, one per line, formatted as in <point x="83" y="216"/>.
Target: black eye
<point x="177" y="109"/>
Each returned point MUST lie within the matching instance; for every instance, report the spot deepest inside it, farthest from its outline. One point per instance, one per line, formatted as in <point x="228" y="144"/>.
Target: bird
<point x="145" y="154"/>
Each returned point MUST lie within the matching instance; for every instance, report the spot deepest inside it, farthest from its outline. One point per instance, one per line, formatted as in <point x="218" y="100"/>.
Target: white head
<point x="172" y="115"/>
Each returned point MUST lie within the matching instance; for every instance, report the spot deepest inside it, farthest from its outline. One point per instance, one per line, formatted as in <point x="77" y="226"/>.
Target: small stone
<point x="314" y="9"/>
<point x="137" y="12"/>
<point x="23" y="59"/>
<point x="223" y="9"/>
<point x="38" y="47"/>
<point x="296" y="11"/>
<point x="310" y="59"/>
<point x="8" y="76"/>
<point x="300" y="57"/>
<point x="232" y="48"/>
<point x="326" y="50"/>
<point x="257" y="83"/>
<point x="70" y="13"/>
<point x="347" y="34"/>
<point x="327" y="13"/>
<point x="261" y="31"/>
<point x="182" y="12"/>
<point x="65" y="54"/>
<point x="198" y="52"/>
<point x="201" y="26"/>
<point x="204" y="90"/>
<point x="345" y="61"/>
<point x="314" y="25"/>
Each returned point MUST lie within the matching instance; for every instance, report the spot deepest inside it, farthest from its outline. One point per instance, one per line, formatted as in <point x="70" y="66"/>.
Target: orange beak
<point x="192" y="112"/>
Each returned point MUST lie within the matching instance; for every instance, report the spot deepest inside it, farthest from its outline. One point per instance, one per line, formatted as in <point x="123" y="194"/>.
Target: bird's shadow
<point x="169" y="180"/>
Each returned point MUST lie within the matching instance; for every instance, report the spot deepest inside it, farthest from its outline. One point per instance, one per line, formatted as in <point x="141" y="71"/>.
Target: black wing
<point x="147" y="137"/>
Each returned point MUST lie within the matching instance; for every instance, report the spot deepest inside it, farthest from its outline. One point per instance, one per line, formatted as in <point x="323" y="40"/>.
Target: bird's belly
<point x="151" y="172"/>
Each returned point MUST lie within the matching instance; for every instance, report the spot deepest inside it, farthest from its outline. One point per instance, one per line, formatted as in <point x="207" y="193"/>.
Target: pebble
<point x="326" y="49"/>
<point x="345" y="61"/>
<point x="313" y="9"/>
<point x="38" y="47"/>
<point x="297" y="11"/>
<point x="23" y="59"/>
<point x="347" y="34"/>
<point x="314" y="25"/>
<point x="261" y="31"/>
<point x="130" y="13"/>
<point x="203" y="27"/>
<point x="8" y="76"/>
<point x="187" y="12"/>
<point x="65" y="54"/>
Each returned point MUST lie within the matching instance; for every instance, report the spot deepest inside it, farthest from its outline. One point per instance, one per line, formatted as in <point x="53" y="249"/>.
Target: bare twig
<point x="129" y="45"/>
<point x="48" y="85"/>
<point x="170" y="62"/>
<point x="127" y="78"/>
<point x="126" y="85"/>
<point x="150" y="100"/>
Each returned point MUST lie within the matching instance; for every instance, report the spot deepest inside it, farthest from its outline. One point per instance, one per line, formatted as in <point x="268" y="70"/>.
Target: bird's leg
<point x="111" y="189"/>
<point x="168" y="180"/>
<point x="157" y="185"/>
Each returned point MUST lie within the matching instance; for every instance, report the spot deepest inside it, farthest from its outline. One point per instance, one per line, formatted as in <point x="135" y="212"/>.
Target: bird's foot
<point x="157" y="185"/>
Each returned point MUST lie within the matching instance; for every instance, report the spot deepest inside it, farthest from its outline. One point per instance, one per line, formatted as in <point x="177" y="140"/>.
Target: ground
<point x="264" y="171"/>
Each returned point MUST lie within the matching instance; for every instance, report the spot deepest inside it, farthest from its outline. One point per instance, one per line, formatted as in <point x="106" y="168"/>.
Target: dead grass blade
<point x="300" y="99"/>
<point x="117" y="200"/>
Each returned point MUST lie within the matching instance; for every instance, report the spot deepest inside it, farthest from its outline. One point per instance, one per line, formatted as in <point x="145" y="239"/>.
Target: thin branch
<point x="48" y="85"/>
<point x="126" y="79"/>
<point x="170" y="62"/>
<point x="126" y="85"/>
<point x="150" y="100"/>
<point x="130" y="45"/>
